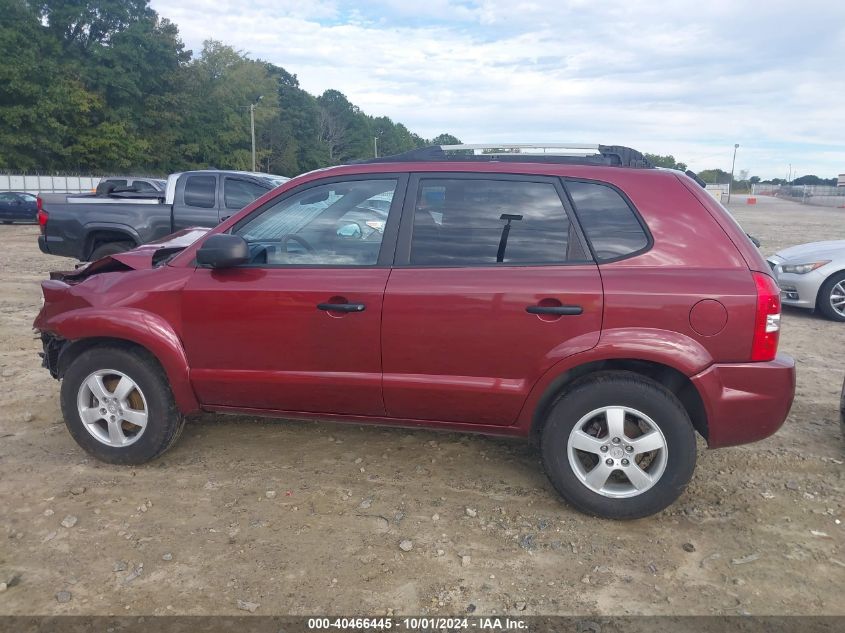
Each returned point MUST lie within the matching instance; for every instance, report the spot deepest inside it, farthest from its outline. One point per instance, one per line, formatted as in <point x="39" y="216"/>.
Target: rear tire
<point x="608" y="415"/>
<point x="7" y="221"/>
<point x="128" y="443"/>
<point x="829" y="289"/>
<point x="110" y="248"/>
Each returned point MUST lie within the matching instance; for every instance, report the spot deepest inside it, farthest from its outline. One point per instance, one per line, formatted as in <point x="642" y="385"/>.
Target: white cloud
<point x="666" y="77"/>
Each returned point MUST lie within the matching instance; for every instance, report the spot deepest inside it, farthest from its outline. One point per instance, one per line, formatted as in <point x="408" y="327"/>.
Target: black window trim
<point x="592" y="181"/>
<point x="406" y="227"/>
<point x="391" y="228"/>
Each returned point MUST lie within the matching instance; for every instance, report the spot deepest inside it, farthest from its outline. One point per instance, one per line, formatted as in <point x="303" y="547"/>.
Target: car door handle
<point x="559" y="310"/>
<point x="341" y="307"/>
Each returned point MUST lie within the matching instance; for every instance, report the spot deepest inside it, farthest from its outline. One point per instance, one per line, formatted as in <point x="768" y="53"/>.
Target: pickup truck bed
<point x="88" y="226"/>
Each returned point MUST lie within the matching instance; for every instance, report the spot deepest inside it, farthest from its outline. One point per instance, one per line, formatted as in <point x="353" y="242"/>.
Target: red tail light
<point x="767" y="320"/>
<point x="42" y="215"/>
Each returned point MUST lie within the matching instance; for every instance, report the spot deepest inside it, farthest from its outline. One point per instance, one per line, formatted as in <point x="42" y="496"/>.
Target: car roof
<point x="552" y="159"/>
<point x="599" y="172"/>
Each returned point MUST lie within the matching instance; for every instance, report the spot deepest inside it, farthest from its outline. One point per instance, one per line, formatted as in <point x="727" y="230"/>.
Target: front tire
<point x="619" y="446"/>
<point x="118" y="406"/>
<point x="831" y="300"/>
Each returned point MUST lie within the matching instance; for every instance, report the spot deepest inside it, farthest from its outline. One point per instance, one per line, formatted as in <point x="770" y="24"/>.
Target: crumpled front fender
<point x="146" y="329"/>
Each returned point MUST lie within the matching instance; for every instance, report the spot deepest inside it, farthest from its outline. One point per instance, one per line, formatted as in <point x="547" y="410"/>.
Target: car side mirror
<point x="223" y="250"/>
<point x="351" y="231"/>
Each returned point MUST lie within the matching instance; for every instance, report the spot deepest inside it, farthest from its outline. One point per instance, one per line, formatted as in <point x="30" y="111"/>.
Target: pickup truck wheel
<point x="110" y="248"/>
<point x="619" y="446"/>
<point x="118" y="406"/>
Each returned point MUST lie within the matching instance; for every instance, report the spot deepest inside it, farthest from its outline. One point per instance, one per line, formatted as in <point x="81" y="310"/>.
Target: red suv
<point x="605" y="307"/>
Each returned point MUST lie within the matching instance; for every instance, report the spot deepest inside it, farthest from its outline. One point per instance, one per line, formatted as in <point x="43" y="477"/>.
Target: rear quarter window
<point x="239" y="193"/>
<point x="610" y="224"/>
<point x="200" y="191"/>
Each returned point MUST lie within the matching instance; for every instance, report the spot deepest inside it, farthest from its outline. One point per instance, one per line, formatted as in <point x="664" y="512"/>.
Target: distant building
<point x="841" y="181"/>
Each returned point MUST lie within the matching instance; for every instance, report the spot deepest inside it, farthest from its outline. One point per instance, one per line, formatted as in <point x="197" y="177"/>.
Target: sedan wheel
<point x="831" y="297"/>
<point x="837" y="298"/>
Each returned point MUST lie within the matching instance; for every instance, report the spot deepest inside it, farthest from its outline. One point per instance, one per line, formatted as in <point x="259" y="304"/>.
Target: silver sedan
<point x="812" y="276"/>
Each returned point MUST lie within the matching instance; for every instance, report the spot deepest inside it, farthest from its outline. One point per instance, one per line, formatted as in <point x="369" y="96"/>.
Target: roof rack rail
<point x="573" y="153"/>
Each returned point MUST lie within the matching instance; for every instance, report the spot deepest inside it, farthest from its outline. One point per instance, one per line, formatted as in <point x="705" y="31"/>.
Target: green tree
<point x="715" y="176"/>
<point x="668" y="162"/>
<point x="812" y="179"/>
<point x="80" y="25"/>
<point x="223" y="83"/>
<point x="393" y="138"/>
<point x="107" y="86"/>
<point x="344" y="130"/>
<point x="41" y="107"/>
<point x="444" y="139"/>
<point x="294" y="135"/>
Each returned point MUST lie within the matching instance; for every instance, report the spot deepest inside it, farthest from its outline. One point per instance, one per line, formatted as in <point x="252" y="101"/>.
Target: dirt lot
<point x="758" y="531"/>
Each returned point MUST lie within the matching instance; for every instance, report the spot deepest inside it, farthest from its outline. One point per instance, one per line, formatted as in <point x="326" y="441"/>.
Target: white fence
<point x="818" y="195"/>
<point x="36" y="183"/>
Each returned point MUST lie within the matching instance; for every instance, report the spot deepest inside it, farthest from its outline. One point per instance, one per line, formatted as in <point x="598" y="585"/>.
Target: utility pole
<point x="252" y="126"/>
<point x="733" y="164"/>
<point x="375" y="146"/>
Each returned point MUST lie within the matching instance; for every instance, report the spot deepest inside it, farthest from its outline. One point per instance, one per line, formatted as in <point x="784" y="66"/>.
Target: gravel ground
<point x="272" y="517"/>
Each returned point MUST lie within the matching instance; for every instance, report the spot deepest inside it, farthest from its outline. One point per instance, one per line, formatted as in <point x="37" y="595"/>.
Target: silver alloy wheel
<point x="837" y="298"/>
<point x="617" y="451"/>
<point x="112" y="408"/>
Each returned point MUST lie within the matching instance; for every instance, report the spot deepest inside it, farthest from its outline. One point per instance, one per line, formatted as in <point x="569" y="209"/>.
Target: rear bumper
<point x="54" y="245"/>
<point x="746" y="402"/>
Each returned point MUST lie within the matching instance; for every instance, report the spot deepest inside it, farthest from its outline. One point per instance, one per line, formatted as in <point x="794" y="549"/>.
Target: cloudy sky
<point x="680" y="77"/>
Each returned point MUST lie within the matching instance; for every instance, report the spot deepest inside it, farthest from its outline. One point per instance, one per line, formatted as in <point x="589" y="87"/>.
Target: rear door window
<point x="200" y="190"/>
<point x="477" y="222"/>
<point x="239" y="193"/>
<point x="609" y="222"/>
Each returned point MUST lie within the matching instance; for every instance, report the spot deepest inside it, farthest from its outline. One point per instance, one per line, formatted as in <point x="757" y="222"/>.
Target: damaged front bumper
<point x="50" y="358"/>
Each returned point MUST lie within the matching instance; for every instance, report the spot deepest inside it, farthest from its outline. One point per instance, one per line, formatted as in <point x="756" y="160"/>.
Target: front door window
<point x="338" y="224"/>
